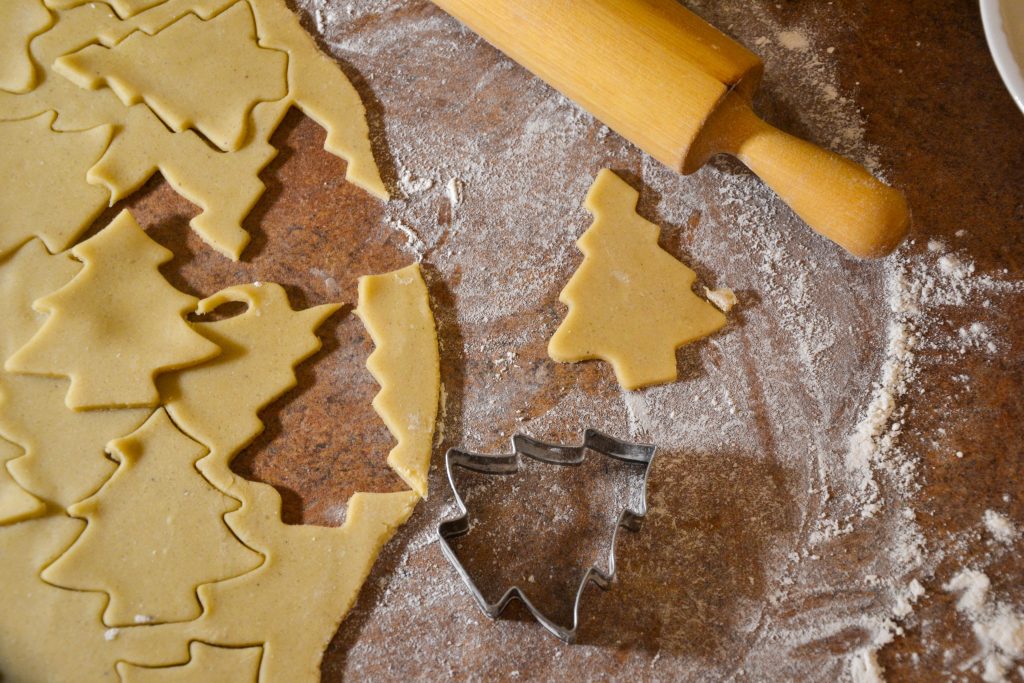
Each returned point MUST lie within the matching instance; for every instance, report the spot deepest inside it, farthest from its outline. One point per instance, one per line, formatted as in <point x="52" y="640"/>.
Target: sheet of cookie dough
<point x="20" y="21"/>
<point x="631" y="303"/>
<point x="395" y="308"/>
<point x="295" y="601"/>
<point x="39" y="164"/>
<point x="116" y="325"/>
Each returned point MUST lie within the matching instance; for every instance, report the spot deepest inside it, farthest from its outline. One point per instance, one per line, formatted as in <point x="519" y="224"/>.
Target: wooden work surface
<point x="722" y="582"/>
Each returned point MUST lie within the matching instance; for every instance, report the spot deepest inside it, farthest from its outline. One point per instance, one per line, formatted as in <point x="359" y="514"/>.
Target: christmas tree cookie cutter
<point x="639" y="454"/>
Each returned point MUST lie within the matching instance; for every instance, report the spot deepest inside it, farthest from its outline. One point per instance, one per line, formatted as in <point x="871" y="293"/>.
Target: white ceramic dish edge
<point x="1002" y="52"/>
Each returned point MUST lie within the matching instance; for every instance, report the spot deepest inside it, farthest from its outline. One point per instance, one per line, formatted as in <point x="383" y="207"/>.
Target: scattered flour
<point x="998" y="628"/>
<point x="1000" y="527"/>
<point x="864" y="667"/>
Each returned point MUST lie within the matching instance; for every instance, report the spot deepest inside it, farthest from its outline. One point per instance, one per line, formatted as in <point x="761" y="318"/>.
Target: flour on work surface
<point x="998" y="627"/>
<point x="796" y="411"/>
<point x="1000" y="527"/>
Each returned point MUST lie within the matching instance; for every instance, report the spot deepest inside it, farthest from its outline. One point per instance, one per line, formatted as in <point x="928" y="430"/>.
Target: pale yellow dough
<point x="124" y="8"/>
<point x="207" y="664"/>
<point x="218" y="402"/>
<point x="47" y="633"/>
<point x="294" y="602"/>
<point x="155" y="531"/>
<point x="176" y="71"/>
<point x="116" y="325"/>
<point x="44" y="191"/>
<point x="263" y="598"/>
<point x="395" y="308"/>
<point x="630" y="303"/>
<point x="20" y="21"/>
<point x="16" y="504"/>
<point x="224" y="186"/>
<point x="61" y="457"/>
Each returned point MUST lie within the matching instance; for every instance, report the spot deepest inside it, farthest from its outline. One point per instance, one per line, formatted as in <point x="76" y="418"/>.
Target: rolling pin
<point x="681" y="90"/>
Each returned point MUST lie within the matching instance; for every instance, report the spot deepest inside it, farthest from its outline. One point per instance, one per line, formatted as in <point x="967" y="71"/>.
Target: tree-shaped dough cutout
<point x="203" y="74"/>
<point x="630" y="303"/>
<point x="116" y="325"/>
<point x="155" y="531"/>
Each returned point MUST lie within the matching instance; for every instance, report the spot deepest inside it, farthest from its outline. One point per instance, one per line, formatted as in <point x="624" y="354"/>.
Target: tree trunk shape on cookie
<point x="206" y="75"/>
<point x="631" y="303"/>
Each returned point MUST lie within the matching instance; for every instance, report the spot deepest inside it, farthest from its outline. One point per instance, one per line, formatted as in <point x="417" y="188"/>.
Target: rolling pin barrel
<point x="680" y="90"/>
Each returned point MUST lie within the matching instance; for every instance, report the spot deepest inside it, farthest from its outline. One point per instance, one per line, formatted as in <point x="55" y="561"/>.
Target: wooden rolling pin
<point x="680" y="89"/>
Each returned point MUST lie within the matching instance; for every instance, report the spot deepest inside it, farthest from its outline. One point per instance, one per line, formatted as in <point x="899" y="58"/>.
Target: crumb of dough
<point x="723" y="298"/>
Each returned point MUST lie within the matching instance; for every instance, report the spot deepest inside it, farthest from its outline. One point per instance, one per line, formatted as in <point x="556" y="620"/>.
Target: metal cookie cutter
<point x="639" y="454"/>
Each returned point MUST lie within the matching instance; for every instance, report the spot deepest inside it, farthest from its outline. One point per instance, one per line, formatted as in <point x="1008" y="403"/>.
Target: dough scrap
<point x="630" y="303"/>
<point x="217" y="403"/>
<point x="16" y="504"/>
<point x="155" y="531"/>
<point x="224" y="186"/>
<point x="39" y="164"/>
<point x="63" y="456"/>
<point x="318" y="87"/>
<point x="395" y="308"/>
<point x="207" y="664"/>
<point x="20" y="21"/>
<point x="203" y="74"/>
<point x="116" y="325"/>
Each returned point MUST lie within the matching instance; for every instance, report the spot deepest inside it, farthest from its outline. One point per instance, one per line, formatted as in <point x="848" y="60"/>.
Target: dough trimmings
<point x="218" y="403"/>
<point x="630" y="302"/>
<point x="395" y="309"/>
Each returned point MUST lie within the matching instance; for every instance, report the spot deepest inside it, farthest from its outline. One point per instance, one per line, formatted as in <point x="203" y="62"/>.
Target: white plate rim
<point x="999" y="46"/>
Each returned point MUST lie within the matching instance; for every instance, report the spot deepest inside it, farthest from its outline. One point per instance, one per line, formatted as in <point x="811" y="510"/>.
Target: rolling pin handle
<point x="838" y="198"/>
